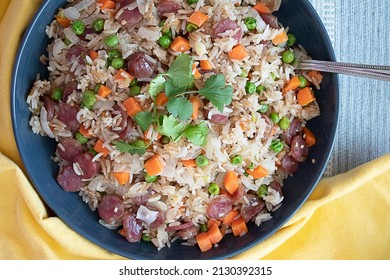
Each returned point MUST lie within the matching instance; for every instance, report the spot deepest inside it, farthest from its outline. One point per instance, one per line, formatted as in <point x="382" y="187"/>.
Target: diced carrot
<point x="305" y="96"/>
<point x="93" y="54"/>
<point x="309" y="137"/>
<point x="64" y="22"/>
<point x="188" y="162"/>
<point x="196" y="73"/>
<point x="122" y="75"/>
<point x="106" y="4"/>
<point x="280" y="38"/>
<point x="104" y="91"/>
<point x="99" y="148"/>
<point x="203" y="241"/>
<point x="198" y="18"/>
<point x="238" y="52"/>
<point x="205" y="65"/>
<point x="293" y="84"/>
<point x="261" y="8"/>
<point x="231" y="181"/>
<point x="161" y="99"/>
<point x="229" y="218"/>
<point x="122" y="232"/>
<point x="85" y="132"/>
<point x="224" y="191"/>
<point x="122" y="177"/>
<point x="154" y="166"/>
<point x="213" y="222"/>
<point x="180" y="44"/>
<point x="132" y="106"/>
<point x="214" y="234"/>
<point x="258" y="172"/>
<point x="195" y="100"/>
<point x="239" y="227"/>
<point x="315" y="75"/>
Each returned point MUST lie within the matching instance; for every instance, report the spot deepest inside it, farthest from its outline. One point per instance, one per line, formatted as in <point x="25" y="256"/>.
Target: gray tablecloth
<point x="360" y="34"/>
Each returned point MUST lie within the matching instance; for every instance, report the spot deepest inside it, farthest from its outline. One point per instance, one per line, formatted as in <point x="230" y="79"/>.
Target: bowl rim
<point x="74" y="226"/>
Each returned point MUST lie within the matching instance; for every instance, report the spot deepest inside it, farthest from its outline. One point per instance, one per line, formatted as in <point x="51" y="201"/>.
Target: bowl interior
<point x="36" y="151"/>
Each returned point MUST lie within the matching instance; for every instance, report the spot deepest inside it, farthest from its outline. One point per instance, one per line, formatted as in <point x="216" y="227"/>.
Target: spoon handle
<point x="378" y="72"/>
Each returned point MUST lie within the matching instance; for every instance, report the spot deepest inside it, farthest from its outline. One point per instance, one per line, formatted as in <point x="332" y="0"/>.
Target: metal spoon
<point x="362" y="70"/>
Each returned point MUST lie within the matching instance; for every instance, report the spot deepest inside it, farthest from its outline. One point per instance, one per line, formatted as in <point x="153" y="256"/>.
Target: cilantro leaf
<point x="180" y="71"/>
<point x="196" y="134"/>
<point x="217" y="91"/>
<point x="144" y="120"/>
<point x="171" y="90"/>
<point x="156" y="86"/>
<point x="170" y="126"/>
<point x="180" y="107"/>
<point x="131" y="148"/>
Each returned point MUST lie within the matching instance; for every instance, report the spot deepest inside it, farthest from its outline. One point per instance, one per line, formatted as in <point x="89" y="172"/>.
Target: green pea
<point x="262" y="191"/>
<point x="150" y="179"/>
<point x="284" y="123"/>
<point x="146" y="237"/>
<point x="92" y="151"/>
<point x="250" y="23"/>
<point x="236" y="160"/>
<point x="114" y="53"/>
<point x="81" y="138"/>
<point x="303" y="81"/>
<point x="274" y="117"/>
<point x="134" y="90"/>
<point x="244" y="73"/>
<point x="98" y="25"/>
<point x="263" y="108"/>
<point x="213" y="188"/>
<point x="165" y="41"/>
<point x="250" y="87"/>
<point x="165" y="139"/>
<point x="192" y="1"/>
<point x="78" y="27"/>
<point x="201" y="161"/>
<point x="203" y="227"/>
<point x="89" y="98"/>
<point x="276" y="145"/>
<point x="260" y="88"/>
<point x="111" y="40"/>
<point x="190" y="27"/>
<point x="57" y="94"/>
<point x="288" y="56"/>
<point x="117" y="62"/>
<point x="291" y="40"/>
<point x="139" y="143"/>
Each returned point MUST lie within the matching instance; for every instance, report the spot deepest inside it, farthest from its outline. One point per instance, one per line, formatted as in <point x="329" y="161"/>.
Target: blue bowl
<point x="36" y="151"/>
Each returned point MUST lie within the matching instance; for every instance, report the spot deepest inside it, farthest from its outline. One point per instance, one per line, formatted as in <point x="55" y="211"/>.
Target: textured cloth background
<point x="360" y="34"/>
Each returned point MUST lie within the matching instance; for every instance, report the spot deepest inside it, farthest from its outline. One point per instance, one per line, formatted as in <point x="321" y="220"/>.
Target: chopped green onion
<point x="250" y="23"/>
<point x="78" y="27"/>
<point x="92" y="151"/>
<point x="260" y="88"/>
<point x="276" y="145"/>
<point x="146" y="238"/>
<point x="203" y="227"/>
<point x="133" y="82"/>
<point x="96" y="88"/>
<point x="213" y="188"/>
<point x="244" y="73"/>
<point x="192" y="1"/>
<point x="57" y="94"/>
<point x="201" y="161"/>
<point x="236" y="160"/>
<point x="251" y="166"/>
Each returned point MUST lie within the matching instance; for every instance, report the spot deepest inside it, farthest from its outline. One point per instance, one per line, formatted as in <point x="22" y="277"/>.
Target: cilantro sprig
<point x="177" y="83"/>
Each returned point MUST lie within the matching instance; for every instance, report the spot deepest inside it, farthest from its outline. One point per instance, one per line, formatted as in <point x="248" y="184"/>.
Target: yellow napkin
<point x="346" y="217"/>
